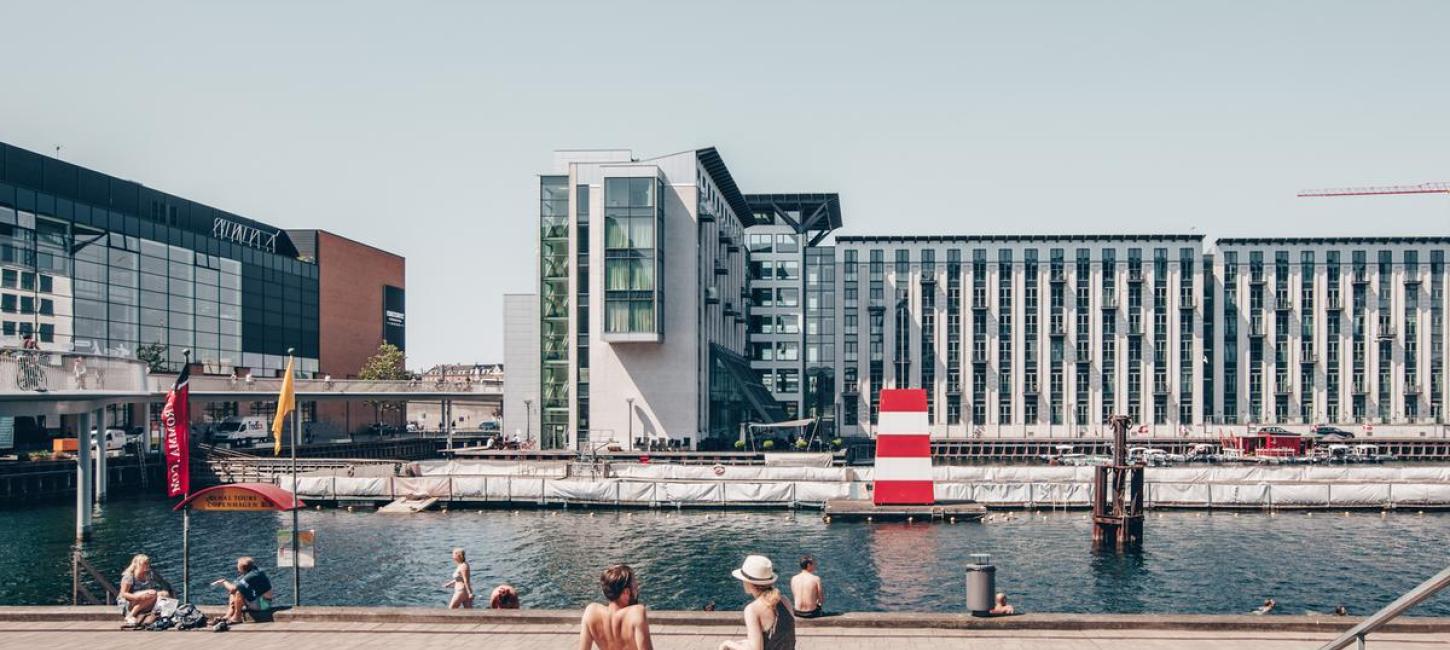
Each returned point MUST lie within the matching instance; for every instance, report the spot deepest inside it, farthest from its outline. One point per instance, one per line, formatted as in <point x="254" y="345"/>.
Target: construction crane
<point x="1422" y="188"/>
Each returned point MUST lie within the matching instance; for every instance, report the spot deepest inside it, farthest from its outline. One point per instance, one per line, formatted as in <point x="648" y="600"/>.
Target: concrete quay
<point x="388" y="627"/>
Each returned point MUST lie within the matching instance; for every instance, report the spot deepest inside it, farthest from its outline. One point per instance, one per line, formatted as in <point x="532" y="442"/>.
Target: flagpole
<point x="185" y="512"/>
<point x="296" y="542"/>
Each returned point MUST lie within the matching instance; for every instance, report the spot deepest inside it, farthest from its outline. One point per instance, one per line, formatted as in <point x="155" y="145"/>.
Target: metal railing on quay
<point x="1391" y="611"/>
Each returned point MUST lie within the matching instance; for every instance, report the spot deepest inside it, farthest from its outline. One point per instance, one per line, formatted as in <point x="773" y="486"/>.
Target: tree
<point x="154" y="354"/>
<point x="387" y="364"/>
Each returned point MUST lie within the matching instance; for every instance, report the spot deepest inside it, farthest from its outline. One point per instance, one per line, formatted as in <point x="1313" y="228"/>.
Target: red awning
<point x="278" y="498"/>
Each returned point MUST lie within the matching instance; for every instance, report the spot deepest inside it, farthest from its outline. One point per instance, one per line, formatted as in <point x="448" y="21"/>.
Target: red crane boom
<point x="1422" y="188"/>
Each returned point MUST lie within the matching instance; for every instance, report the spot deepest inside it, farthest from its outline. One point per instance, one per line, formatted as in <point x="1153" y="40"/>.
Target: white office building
<point x="1031" y="336"/>
<point x="642" y="322"/>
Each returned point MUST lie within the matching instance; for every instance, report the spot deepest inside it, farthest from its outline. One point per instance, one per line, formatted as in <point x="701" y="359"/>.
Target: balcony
<point x="1256" y="330"/>
<point x="1256" y="278"/>
<point x="1135" y="275"/>
<point x="979" y="356"/>
<point x="1412" y="388"/>
<point x="725" y="238"/>
<point x="721" y="269"/>
<point x="1186" y="301"/>
<point x="1359" y="387"/>
<point x="706" y="216"/>
<point x="712" y="295"/>
<point x="1361" y="277"/>
<point x="1333" y="302"/>
<point x="1160" y="387"/>
<point x="1029" y="387"/>
<point x="1109" y="301"/>
<point x="1308" y="358"/>
<point x="1387" y="332"/>
<point x="1135" y="329"/>
<point x="730" y="309"/>
<point x="1412" y="282"/>
<point x="733" y="248"/>
<point x="979" y="300"/>
<point x="1058" y="330"/>
<point x="1057" y="277"/>
<point x="1283" y="303"/>
<point x="851" y="389"/>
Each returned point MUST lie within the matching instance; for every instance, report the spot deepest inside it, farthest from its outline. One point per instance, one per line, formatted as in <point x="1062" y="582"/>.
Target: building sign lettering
<point x="232" y="231"/>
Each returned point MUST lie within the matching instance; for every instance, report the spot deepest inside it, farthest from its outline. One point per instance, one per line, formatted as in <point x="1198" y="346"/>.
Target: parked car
<point x="1324" y="431"/>
<point x="1275" y="431"/>
<point x="488" y="425"/>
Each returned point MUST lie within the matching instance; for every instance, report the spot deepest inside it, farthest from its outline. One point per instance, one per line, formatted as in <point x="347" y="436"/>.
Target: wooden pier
<point x="864" y="510"/>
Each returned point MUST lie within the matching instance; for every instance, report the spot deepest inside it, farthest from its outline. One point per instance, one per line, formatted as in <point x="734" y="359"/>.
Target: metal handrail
<point x="1411" y="598"/>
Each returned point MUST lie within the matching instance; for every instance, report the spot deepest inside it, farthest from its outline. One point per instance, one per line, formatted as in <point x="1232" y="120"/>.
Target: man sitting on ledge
<point x="252" y="591"/>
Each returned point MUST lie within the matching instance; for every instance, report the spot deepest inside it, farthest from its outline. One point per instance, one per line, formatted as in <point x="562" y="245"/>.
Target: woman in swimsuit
<point x="769" y="624"/>
<point x="462" y="582"/>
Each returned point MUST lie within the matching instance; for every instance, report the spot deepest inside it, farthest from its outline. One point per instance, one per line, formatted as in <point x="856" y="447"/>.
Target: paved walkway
<point x="356" y="636"/>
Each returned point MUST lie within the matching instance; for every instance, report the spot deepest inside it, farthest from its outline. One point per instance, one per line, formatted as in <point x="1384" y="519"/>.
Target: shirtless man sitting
<point x="810" y="597"/>
<point x="622" y="624"/>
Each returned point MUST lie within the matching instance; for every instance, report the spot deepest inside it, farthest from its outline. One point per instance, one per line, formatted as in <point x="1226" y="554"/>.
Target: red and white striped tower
<point x="903" y="449"/>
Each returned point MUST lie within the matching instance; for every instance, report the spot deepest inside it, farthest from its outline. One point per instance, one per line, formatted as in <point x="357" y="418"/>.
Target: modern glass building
<point x="642" y="302"/>
<point x="1012" y="336"/>
<point x="792" y="308"/>
<point x="96" y="263"/>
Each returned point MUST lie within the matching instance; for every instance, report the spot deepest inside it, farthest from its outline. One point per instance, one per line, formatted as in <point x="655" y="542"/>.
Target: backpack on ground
<point x="188" y="617"/>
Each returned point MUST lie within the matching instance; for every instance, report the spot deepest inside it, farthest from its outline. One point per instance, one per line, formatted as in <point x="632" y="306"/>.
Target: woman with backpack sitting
<point x="140" y="589"/>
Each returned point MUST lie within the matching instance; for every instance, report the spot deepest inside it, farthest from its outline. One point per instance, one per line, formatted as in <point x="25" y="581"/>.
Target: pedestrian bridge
<point x="55" y="383"/>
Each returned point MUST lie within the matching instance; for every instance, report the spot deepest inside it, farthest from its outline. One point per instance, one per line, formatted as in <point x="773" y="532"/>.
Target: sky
<point x="420" y="127"/>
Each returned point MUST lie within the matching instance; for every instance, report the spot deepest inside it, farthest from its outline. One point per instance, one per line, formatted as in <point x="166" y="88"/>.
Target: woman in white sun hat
<point x="769" y="624"/>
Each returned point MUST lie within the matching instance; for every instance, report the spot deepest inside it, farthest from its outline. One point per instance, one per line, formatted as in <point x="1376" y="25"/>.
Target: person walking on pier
<point x="622" y="624"/>
<point x="462" y="582"/>
<point x="806" y="590"/>
<point x="769" y="624"/>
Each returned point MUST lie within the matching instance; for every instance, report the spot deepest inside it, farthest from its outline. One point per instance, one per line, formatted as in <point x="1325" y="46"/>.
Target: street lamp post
<point x="629" y="413"/>
<point x="528" y="420"/>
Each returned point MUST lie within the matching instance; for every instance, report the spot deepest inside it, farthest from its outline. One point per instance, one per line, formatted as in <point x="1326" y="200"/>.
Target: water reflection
<point x="1189" y="562"/>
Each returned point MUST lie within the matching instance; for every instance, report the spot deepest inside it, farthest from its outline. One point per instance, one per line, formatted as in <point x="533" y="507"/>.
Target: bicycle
<point x="28" y="373"/>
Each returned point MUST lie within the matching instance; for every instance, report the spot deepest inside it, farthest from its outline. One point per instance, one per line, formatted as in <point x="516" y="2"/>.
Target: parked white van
<point x="241" y="431"/>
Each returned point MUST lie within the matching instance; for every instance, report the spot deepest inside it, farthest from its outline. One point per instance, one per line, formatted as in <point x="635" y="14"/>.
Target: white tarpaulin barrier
<point x="759" y="492"/>
<point x="319" y="487"/>
<point x="1298" y="495"/>
<point x="346" y="486"/>
<point x="420" y="487"/>
<point x="470" y="487"/>
<point x="953" y="491"/>
<point x="1177" y="493"/>
<point x="688" y="492"/>
<point x="1002" y="493"/>
<point x="1239" y="495"/>
<point x="580" y="490"/>
<point x="1358" y="494"/>
<point x="731" y="473"/>
<point x="485" y="468"/>
<point x="823" y="492"/>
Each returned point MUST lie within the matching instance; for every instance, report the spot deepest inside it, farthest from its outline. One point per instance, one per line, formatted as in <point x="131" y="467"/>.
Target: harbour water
<point x="1193" y="562"/>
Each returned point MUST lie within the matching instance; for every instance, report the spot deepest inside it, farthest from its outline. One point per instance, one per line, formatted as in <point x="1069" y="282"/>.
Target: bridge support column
<point x="102" y="452"/>
<point x="83" y="476"/>
<point x="146" y="427"/>
<point x="447" y="415"/>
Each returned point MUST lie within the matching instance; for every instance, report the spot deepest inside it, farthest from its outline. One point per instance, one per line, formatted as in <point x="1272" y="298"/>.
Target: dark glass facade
<point x="110" y="265"/>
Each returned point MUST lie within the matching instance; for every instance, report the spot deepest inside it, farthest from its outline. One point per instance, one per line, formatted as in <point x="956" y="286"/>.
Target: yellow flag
<point x="286" y="401"/>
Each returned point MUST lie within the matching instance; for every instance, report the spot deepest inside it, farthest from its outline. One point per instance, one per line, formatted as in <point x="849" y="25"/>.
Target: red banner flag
<point x="176" y="435"/>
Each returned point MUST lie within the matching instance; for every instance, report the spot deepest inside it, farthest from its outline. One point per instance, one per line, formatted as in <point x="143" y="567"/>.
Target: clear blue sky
<point x="419" y="127"/>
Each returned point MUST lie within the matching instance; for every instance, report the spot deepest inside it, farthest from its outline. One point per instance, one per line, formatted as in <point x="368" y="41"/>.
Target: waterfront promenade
<point x="84" y="628"/>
